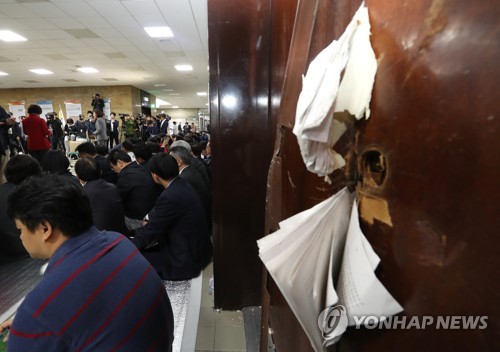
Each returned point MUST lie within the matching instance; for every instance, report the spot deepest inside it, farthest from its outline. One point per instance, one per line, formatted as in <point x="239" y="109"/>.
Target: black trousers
<point x="113" y="139"/>
<point x="38" y="154"/>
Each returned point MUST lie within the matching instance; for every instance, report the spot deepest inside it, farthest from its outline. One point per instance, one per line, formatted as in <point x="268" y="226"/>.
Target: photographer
<point x="97" y="102"/>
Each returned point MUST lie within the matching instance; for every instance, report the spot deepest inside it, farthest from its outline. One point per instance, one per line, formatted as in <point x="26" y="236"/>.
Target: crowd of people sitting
<point x="153" y="189"/>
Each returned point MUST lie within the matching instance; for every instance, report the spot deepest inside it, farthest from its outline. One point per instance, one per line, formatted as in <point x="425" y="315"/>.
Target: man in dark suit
<point x="105" y="201"/>
<point x="113" y="131"/>
<point x="137" y="189"/>
<point x="88" y="150"/>
<point x="195" y="163"/>
<point x="163" y="125"/>
<point x="18" y="168"/>
<point x="194" y="178"/>
<point x="176" y="232"/>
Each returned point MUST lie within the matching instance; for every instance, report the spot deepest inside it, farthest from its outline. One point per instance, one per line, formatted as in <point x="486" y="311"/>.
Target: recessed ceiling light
<point x="87" y="69"/>
<point x="202" y="94"/>
<point x="159" y="32"/>
<point x="175" y="107"/>
<point x="41" y="71"/>
<point x="174" y="94"/>
<point x="160" y="102"/>
<point x="3" y="73"/>
<point x="184" y="67"/>
<point x="9" y="36"/>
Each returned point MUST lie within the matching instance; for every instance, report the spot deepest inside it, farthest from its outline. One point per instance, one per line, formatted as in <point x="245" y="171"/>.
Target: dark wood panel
<point x="242" y="143"/>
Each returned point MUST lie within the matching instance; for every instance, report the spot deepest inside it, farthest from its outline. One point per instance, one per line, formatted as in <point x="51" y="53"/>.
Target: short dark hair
<point x="196" y="149"/>
<point x="102" y="149"/>
<point x="142" y="151"/>
<point x="86" y="148"/>
<point x="154" y="147"/>
<point x="88" y="169"/>
<point x="164" y="165"/>
<point x="34" y="109"/>
<point x="128" y="144"/>
<point x="20" y="167"/>
<point x="54" y="199"/>
<point x="118" y="154"/>
<point x="154" y="139"/>
<point x="98" y="113"/>
<point x="55" y="162"/>
<point x="182" y="153"/>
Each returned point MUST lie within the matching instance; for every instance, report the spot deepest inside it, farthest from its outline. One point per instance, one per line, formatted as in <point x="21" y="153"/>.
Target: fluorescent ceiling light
<point x="160" y="102"/>
<point x="3" y="73"/>
<point x="160" y="85"/>
<point x="41" y="71"/>
<point x="159" y="32"/>
<point x="9" y="36"/>
<point x="175" y="107"/>
<point x="202" y="94"/>
<point x="87" y="69"/>
<point x="184" y="67"/>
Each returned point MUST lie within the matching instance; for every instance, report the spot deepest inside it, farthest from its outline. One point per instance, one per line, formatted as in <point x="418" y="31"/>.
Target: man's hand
<point x="4" y="326"/>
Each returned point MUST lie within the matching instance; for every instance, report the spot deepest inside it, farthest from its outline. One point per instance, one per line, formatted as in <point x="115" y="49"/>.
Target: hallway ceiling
<point x="109" y="36"/>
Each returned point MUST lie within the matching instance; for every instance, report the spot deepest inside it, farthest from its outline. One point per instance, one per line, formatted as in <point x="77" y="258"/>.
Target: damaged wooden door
<point x="425" y="166"/>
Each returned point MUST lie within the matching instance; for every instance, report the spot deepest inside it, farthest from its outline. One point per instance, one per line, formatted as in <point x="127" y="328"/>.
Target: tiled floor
<point x="218" y="331"/>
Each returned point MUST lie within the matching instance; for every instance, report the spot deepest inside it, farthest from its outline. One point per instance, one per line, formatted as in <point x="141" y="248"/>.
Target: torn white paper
<point x="314" y="127"/>
<point x="358" y="288"/>
<point x="355" y="91"/>
<point x="299" y="258"/>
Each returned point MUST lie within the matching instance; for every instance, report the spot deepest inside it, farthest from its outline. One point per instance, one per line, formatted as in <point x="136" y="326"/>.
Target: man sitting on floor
<point x="98" y="292"/>
<point x="105" y="201"/>
<point x="177" y="224"/>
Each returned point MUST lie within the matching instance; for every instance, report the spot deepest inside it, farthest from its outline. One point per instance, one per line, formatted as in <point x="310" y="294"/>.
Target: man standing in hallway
<point x="100" y="128"/>
<point x="163" y="125"/>
<point x="38" y="133"/>
<point x="113" y="131"/>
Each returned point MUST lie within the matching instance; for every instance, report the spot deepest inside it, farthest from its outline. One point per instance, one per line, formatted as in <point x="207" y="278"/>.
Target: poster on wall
<point x="73" y="109"/>
<point x="17" y="109"/>
<point x="46" y="106"/>
<point x="107" y="108"/>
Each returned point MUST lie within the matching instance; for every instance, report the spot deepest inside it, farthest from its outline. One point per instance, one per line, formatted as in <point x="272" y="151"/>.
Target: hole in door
<point x="374" y="168"/>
